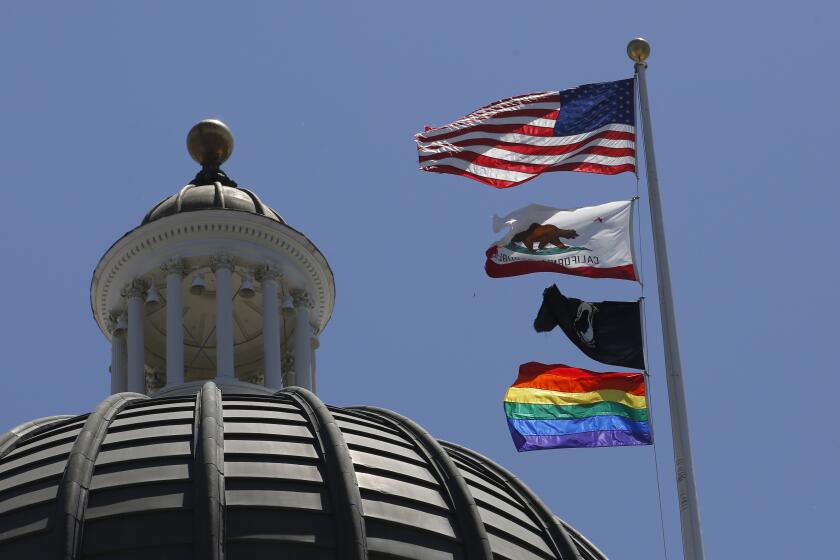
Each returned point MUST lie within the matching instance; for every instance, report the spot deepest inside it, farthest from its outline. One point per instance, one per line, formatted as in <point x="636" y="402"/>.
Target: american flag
<point x="589" y="128"/>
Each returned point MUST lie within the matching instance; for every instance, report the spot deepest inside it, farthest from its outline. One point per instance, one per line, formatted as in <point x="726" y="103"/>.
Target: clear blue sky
<point x="324" y="99"/>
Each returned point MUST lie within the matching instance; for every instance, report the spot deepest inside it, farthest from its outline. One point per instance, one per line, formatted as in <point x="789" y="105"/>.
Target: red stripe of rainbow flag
<point x="551" y="406"/>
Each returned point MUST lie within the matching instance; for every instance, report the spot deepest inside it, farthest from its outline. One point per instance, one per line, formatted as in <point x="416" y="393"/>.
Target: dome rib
<point x="73" y="490"/>
<point x="258" y="204"/>
<point x="153" y="208"/>
<point x="219" y="198"/>
<point x="560" y="539"/>
<point x="209" y="474"/>
<point x="341" y="474"/>
<point x="178" y="200"/>
<point x="474" y="534"/>
<point x="10" y="440"/>
<point x="588" y="550"/>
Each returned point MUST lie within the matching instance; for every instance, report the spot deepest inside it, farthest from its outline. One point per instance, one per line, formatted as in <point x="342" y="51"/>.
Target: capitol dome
<point x="214" y="444"/>
<point x="218" y="475"/>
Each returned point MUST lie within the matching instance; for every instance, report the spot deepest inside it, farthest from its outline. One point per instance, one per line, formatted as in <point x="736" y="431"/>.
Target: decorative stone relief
<point x="287" y="361"/>
<point x="174" y="266"/>
<point x="222" y="261"/>
<point x="302" y="299"/>
<point x="117" y="323"/>
<point x="266" y="272"/>
<point x="135" y="288"/>
<point x="155" y="379"/>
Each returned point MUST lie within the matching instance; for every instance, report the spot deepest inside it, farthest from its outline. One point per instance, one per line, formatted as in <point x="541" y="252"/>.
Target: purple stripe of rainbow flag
<point x="553" y="406"/>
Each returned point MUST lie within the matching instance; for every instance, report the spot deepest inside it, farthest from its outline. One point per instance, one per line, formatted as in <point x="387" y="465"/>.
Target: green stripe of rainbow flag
<point x="553" y="406"/>
<point x="534" y="411"/>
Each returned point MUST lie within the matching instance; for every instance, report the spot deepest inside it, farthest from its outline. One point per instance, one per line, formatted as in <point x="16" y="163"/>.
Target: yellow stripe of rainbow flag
<point x="543" y="396"/>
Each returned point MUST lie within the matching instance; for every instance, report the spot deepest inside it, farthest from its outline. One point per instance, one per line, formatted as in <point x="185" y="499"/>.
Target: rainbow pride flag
<point x="553" y="406"/>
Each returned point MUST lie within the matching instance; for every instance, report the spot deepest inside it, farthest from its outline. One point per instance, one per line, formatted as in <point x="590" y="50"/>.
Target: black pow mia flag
<point x="607" y="331"/>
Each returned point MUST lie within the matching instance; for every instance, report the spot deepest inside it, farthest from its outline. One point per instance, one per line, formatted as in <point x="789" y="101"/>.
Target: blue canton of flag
<point x="593" y="106"/>
<point x="589" y="128"/>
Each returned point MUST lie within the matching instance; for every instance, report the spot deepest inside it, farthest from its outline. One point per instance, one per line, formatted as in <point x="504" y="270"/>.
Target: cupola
<point x="213" y="285"/>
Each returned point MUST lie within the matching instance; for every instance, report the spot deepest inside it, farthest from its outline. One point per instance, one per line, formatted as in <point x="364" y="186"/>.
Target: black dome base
<point x="211" y="476"/>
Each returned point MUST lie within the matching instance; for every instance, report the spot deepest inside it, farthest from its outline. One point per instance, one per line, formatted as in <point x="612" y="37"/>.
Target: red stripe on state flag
<point x="517" y="268"/>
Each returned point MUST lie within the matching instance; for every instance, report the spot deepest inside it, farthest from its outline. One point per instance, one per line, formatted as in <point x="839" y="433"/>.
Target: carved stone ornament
<point x="222" y="261"/>
<point x="112" y="323"/>
<point x="155" y="379"/>
<point x="302" y="299"/>
<point x="117" y="323"/>
<point x="135" y="288"/>
<point x="267" y="272"/>
<point x="287" y="362"/>
<point x="174" y="266"/>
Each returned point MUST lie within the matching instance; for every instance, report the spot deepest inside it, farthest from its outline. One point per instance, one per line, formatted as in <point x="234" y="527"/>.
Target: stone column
<point x="135" y="293"/>
<point x="174" y="270"/>
<point x="287" y="348"/>
<point x="303" y="335"/>
<point x="268" y="277"/>
<point x="316" y="343"/>
<point x="222" y="266"/>
<point x="119" y="354"/>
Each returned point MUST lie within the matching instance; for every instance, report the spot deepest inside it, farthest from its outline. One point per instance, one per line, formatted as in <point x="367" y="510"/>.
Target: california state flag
<point x="594" y="241"/>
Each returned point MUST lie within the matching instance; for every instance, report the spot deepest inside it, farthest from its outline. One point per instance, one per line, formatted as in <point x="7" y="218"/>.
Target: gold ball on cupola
<point x="210" y="142"/>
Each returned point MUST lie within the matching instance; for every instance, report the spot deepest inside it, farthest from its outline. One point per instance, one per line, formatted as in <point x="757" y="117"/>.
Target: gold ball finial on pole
<point x="210" y="142"/>
<point x="638" y="50"/>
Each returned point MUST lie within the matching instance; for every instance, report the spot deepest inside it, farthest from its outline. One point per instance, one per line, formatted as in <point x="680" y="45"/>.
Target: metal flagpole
<point x="638" y="50"/>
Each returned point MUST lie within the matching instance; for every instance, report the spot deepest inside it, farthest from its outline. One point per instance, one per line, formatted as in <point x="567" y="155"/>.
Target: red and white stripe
<point x="512" y="141"/>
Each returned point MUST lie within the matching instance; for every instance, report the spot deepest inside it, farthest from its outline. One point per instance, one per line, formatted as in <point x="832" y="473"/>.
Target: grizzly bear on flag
<point x="543" y="234"/>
